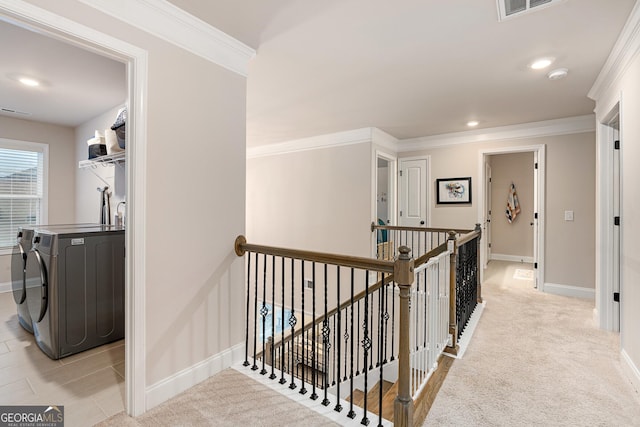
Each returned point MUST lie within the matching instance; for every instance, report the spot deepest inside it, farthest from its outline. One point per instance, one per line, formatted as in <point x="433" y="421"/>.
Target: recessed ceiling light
<point x="27" y="81"/>
<point x="558" y="74"/>
<point x="541" y="63"/>
<point x="473" y="123"/>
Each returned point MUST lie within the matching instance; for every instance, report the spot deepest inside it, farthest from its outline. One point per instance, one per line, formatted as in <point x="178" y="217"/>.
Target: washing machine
<point x="19" y="272"/>
<point x="76" y="299"/>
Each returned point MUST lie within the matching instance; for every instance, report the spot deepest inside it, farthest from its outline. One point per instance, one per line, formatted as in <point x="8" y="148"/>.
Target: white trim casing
<point x="135" y="282"/>
<point x="180" y="381"/>
<point x="571" y="125"/>
<point x="631" y="370"/>
<point x="569" y="291"/>
<point x="622" y="55"/>
<point x="338" y="139"/>
<point x="512" y="258"/>
<point x="172" y="24"/>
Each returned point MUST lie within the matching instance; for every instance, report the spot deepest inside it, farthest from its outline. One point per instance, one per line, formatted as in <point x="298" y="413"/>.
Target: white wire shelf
<point x="109" y="159"/>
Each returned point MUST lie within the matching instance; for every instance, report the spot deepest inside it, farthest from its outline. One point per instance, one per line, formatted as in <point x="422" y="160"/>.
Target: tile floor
<point x="90" y="384"/>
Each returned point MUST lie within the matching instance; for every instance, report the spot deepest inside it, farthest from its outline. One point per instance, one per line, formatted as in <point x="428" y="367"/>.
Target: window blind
<point x="21" y="191"/>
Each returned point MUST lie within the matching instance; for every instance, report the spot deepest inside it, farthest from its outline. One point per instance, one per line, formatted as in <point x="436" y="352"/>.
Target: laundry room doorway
<point x="76" y="34"/>
<point x="512" y="208"/>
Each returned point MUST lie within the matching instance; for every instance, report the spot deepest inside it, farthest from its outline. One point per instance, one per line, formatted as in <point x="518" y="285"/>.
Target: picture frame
<point x="453" y="190"/>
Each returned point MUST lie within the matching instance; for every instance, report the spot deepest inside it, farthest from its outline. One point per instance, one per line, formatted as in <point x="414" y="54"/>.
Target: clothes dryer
<point x="19" y="271"/>
<point x="76" y="301"/>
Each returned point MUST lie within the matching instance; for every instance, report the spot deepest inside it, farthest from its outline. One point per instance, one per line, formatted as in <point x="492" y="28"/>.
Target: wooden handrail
<point x="241" y="246"/>
<point x="375" y="226"/>
<point x="467" y="237"/>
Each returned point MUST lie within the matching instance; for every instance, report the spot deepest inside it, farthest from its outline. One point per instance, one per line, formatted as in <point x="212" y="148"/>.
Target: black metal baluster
<point x="380" y="291"/>
<point x="423" y="274"/>
<point x="305" y="353"/>
<point x="386" y="319"/>
<point x="246" y="337"/>
<point x="336" y="351"/>
<point x="314" y="347"/>
<point x="370" y="325"/>
<point x="338" y="406"/>
<point x="351" y="413"/>
<point x="326" y="330"/>
<point x="255" y="318"/>
<point x="357" y="341"/>
<point x="292" y="323"/>
<point x="272" y="350"/>
<point x="366" y="345"/>
<point x="263" y="312"/>
<point x="346" y="338"/>
<point x="282" y="345"/>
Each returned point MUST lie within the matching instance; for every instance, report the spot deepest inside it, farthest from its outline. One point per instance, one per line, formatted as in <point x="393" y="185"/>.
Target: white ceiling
<point x="77" y="85"/>
<point x="411" y="68"/>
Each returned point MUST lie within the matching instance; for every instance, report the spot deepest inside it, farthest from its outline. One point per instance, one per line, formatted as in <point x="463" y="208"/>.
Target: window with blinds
<point x="508" y="8"/>
<point x="21" y="190"/>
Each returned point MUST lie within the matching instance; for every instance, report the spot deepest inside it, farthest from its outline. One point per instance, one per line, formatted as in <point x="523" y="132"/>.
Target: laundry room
<point x="63" y="187"/>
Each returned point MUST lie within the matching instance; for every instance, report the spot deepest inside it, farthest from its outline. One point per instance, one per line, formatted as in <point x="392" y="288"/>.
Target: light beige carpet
<point x="535" y="359"/>
<point x="226" y="399"/>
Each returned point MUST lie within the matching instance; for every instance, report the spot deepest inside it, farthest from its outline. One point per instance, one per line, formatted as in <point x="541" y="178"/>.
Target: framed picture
<point x="453" y="190"/>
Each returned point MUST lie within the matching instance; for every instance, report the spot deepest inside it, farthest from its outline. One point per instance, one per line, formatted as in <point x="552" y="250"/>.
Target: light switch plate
<point x="568" y="215"/>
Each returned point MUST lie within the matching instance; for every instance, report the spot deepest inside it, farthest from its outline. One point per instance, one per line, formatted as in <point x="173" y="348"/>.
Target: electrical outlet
<point x="308" y="283"/>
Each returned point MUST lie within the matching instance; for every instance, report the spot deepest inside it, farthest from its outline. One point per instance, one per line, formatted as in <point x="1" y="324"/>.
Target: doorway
<point x="520" y="239"/>
<point x="57" y="27"/>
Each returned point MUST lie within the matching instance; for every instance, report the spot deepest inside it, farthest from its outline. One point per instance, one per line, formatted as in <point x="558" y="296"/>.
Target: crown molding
<point x="579" y="124"/>
<point x="172" y="24"/>
<point x="383" y="139"/>
<point x="622" y="55"/>
<point x="350" y="137"/>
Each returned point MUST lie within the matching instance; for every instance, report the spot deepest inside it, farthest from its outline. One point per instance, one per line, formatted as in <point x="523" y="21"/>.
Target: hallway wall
<point x="570" y="165"/>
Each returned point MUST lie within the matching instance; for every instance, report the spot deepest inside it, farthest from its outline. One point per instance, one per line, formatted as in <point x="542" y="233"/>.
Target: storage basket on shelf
<point x="120" y="127"/>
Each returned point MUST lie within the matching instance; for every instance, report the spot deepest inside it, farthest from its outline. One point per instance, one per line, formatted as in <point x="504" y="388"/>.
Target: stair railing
<point x="370" y="332"/>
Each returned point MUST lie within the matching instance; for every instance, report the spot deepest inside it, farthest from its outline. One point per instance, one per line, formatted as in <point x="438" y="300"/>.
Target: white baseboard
<point x="180" y="381"/>
<point x="511" y="258"/>
<point x="5" y="287"/>
<point x="467" y="334"/>
<point x="570" y="291"/>
<point x="631" y="370"/>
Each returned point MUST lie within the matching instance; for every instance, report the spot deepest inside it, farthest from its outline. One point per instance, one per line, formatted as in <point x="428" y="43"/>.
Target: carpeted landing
<point x="535" y="359"/>
<point x="226" y="399"/>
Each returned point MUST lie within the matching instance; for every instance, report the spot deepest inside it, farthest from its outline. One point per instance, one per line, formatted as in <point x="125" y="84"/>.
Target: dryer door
<point x="18" y="263"/>
<point x="37" y="285"/>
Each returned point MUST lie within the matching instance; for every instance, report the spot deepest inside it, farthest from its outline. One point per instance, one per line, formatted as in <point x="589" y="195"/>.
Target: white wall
<point x="316" y="200"/>
<point x="88" y="199"/>
<point x="62" y="167"/>
<point x="625" y="89"/>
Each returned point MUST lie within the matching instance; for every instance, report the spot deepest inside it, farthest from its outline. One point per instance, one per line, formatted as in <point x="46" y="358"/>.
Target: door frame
<point x="604" y="311"/>
<point x="539" y="237"/>
<point x="136" y="59"/>
<point x="393" y="189"/>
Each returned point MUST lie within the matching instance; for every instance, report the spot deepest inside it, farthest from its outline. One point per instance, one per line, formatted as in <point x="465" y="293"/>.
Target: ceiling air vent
<point x="511" y="8"/>
<point x="11" y="111"/>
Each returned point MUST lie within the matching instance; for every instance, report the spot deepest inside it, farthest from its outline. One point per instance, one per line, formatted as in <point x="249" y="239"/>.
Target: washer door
<point x="37" y="285"/>
<point x="18" y="265"/>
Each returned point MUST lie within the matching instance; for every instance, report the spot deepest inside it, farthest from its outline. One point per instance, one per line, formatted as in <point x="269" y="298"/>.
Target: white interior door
<point x="413" y="193"/>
